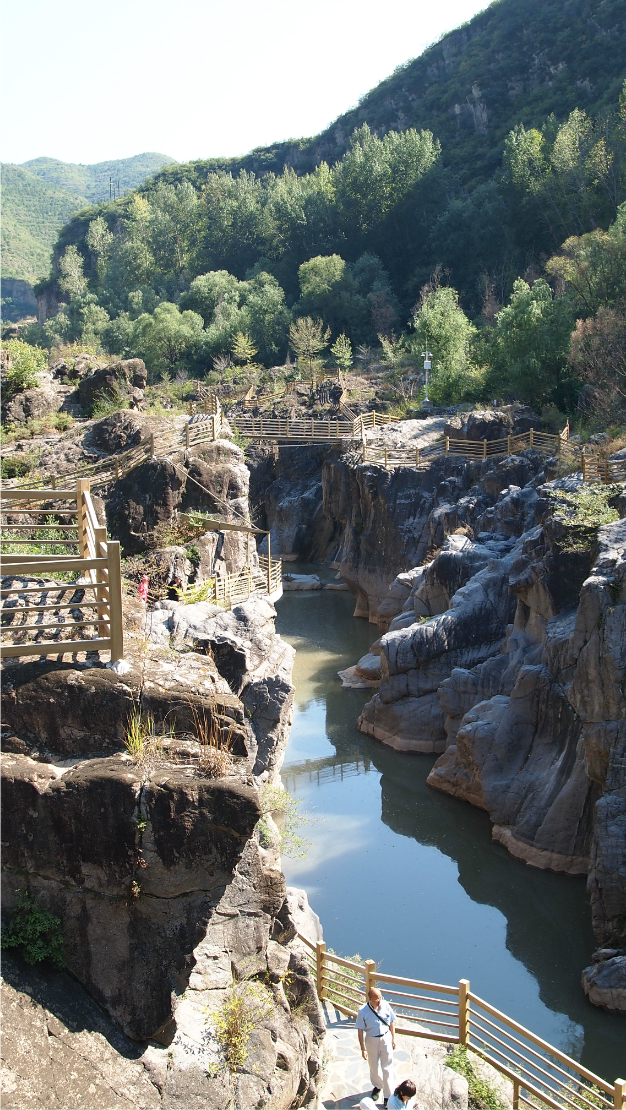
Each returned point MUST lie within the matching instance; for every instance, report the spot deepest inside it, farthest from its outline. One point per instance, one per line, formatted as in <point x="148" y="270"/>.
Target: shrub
<point x="27" y="362"/>
<point x="581" y="513"/>
<point x="482" y="1095"/>
<point x="35" y="932"/>
<point x="278" y="802"/>
<point x="245" y="1006"/>
<point x="141" y="741"/>
<point x="108" y="403"/>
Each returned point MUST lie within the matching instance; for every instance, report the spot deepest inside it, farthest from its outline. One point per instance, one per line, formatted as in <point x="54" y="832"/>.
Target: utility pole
<point x="426" y="405"/>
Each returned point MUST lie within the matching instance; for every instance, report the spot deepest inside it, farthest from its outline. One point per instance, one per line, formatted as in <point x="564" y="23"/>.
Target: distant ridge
<point x="41" y="195"/>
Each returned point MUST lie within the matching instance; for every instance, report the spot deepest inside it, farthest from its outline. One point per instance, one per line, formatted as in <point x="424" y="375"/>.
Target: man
<point x="375" y="1025"/>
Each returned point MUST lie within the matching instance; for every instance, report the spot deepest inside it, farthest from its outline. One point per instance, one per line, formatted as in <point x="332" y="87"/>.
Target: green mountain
<point x="516" y="62"/>
<point x="32" y="212"/>
<point x="41" y="195"/>
<point x="92" y="182"/>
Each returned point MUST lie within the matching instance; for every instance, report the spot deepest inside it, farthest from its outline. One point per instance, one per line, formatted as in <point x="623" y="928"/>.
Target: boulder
<point x="120" y="431"/>
<point x="492" y="424"/>
<point x="126" y="379"/>
<point x="32" y="403"/>
<point x="293" y="582"/>
<point x="604" y="982"/>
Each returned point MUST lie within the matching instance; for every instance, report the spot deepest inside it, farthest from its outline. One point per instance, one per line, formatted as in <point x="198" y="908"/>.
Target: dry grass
<point x="215" y="759"/>
<point x="141" y="741"/>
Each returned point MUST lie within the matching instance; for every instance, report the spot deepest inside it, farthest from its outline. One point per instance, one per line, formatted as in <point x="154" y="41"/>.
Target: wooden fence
<point x="262" y="581"/>
<point x="40" y="520"/>
<point x="542" y="1076"/>
<point x="595" y="469"/>
<point x="469" y="449"/>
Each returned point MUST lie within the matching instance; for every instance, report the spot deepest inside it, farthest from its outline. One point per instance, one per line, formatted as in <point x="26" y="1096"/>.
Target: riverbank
<point x="410" y="877"/>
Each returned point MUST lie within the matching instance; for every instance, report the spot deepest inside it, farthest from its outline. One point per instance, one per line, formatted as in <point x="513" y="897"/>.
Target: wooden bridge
<point x="541" y="1075"/>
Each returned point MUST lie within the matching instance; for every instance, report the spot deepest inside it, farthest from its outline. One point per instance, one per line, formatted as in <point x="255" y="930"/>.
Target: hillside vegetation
<point x="41" y="195"/>
<point x="390" y="246"/>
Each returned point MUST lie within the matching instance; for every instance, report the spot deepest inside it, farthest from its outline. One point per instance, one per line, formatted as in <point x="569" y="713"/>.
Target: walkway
<point x="347" y="1078"/>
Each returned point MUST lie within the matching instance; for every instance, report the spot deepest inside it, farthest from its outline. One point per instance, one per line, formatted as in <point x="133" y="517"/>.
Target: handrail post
<point x="320" y="949"/>
<point x="516" y="1094"/>
<point x="269" y="564"/>
<point x="101" y="577"/>
<point x="187" y="434"/>
<point x="464" y="1011"/>
<point x="582" y="459"/>
<point x="370" y="976"/>
<point x="508" y="445"/>
<point x="484" y="448"/>
<point x="531" y="436"/>
<point x="82" y="486"/>
<point x="116" y="619"/>
<point x="386" y="455"/>
<point x="447" y="445"/>
<point x="152" y="445"/>
<point x="417" y="456"/>
<point x="619" y="1094"/>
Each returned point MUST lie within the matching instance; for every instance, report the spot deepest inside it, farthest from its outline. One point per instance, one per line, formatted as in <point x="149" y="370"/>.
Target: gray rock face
<point x="604" y="982"/>
<point x="254" y="661"/>
<point x="492" y="423"/>
<point x="415" y="660"/>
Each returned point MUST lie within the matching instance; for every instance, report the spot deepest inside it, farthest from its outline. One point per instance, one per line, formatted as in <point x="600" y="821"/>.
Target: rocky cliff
<point x="502" y="649"/>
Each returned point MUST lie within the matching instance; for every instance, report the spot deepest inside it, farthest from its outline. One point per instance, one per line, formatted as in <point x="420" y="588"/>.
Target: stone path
<point x="347" y="1074"/>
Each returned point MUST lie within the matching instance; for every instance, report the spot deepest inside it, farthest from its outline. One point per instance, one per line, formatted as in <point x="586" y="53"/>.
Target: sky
<point x="91" y="80"/>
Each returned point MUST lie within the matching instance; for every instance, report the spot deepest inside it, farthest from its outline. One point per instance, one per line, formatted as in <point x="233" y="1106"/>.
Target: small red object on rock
<point x="142" y="589"/>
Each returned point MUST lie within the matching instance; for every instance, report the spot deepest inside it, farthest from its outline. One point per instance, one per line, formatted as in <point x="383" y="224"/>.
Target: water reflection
<point x="411" y="877"/>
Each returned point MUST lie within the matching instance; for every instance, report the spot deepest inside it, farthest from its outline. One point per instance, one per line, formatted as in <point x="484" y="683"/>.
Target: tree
<point x="598" y="358"/>
<point x="308" y="338"/>
<point x="530" y="343"/>
<point x="442" y="327"/>
<point x="167" y="336"/>
<point x="243" y="349"/>
<point x="72" y="279"/>
<point x="341" y="351"/>
<point x="593" y="266"/>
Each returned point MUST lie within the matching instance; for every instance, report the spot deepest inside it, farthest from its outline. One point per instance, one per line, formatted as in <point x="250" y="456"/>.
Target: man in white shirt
<point x="375" y="1025"/>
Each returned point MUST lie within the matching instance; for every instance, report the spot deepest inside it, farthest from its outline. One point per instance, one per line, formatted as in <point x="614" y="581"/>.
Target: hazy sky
<point x="89" y="80"/>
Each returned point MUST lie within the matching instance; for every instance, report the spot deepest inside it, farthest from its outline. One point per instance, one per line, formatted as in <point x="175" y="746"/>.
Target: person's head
<point x="405" y="1090"/>
<point x="374" y="997"/>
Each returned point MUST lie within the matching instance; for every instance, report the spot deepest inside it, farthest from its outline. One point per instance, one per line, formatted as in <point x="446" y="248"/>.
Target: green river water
<point x="410" y="877"/>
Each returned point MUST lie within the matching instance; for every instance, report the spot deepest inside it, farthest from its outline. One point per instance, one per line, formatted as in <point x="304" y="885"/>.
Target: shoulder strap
<point x="379" y="1016"/>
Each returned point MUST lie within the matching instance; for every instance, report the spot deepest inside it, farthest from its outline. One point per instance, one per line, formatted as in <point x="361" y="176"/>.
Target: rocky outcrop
<point x="126" y="378"/>
<point x="492" y="423"/>
<point x="251" y="658"/>
<point x="164" y="894"/>
<point x="604" y="982"/>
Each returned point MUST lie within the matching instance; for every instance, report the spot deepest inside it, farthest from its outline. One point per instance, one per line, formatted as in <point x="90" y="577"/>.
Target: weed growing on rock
<point x="35" y="932"/>
<point x="482" y="1095"/>
<point x="141" y="742"/>
<point x="215" y="759"/>
<point x="280" y="804"/>
<point x="203" y="592"/>
<point x="245" y="1006"/>
<point x="582" y="512"/>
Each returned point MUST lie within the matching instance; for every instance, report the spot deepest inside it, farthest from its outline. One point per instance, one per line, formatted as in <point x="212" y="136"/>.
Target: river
<point x="410" y="877"/>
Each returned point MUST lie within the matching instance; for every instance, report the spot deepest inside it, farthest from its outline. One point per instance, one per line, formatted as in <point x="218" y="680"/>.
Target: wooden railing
<point x="262" y="427"/>
<point x="69" y="522"/>
<point x="469" y="449"/>
<point x="595" y="469"/>
<point x="262" y="581"/>
<point x="542" y="1076"/>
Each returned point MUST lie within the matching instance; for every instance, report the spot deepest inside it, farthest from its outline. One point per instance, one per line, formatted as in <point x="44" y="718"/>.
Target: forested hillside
<point x="449" y="236"/>
<point x="92" y="181"/>
<point x="40" y="196"/>
<point x="32" y="213"/>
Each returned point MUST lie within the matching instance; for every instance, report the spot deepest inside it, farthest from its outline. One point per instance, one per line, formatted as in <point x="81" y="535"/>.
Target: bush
<point x="278" y="802"/>
<point x="482" y="1095"/>
<point x="27" y="362"/>
<point x="583" y="512"/>
<point x="35" y="932"/>
<point x="245" y="1006"/>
